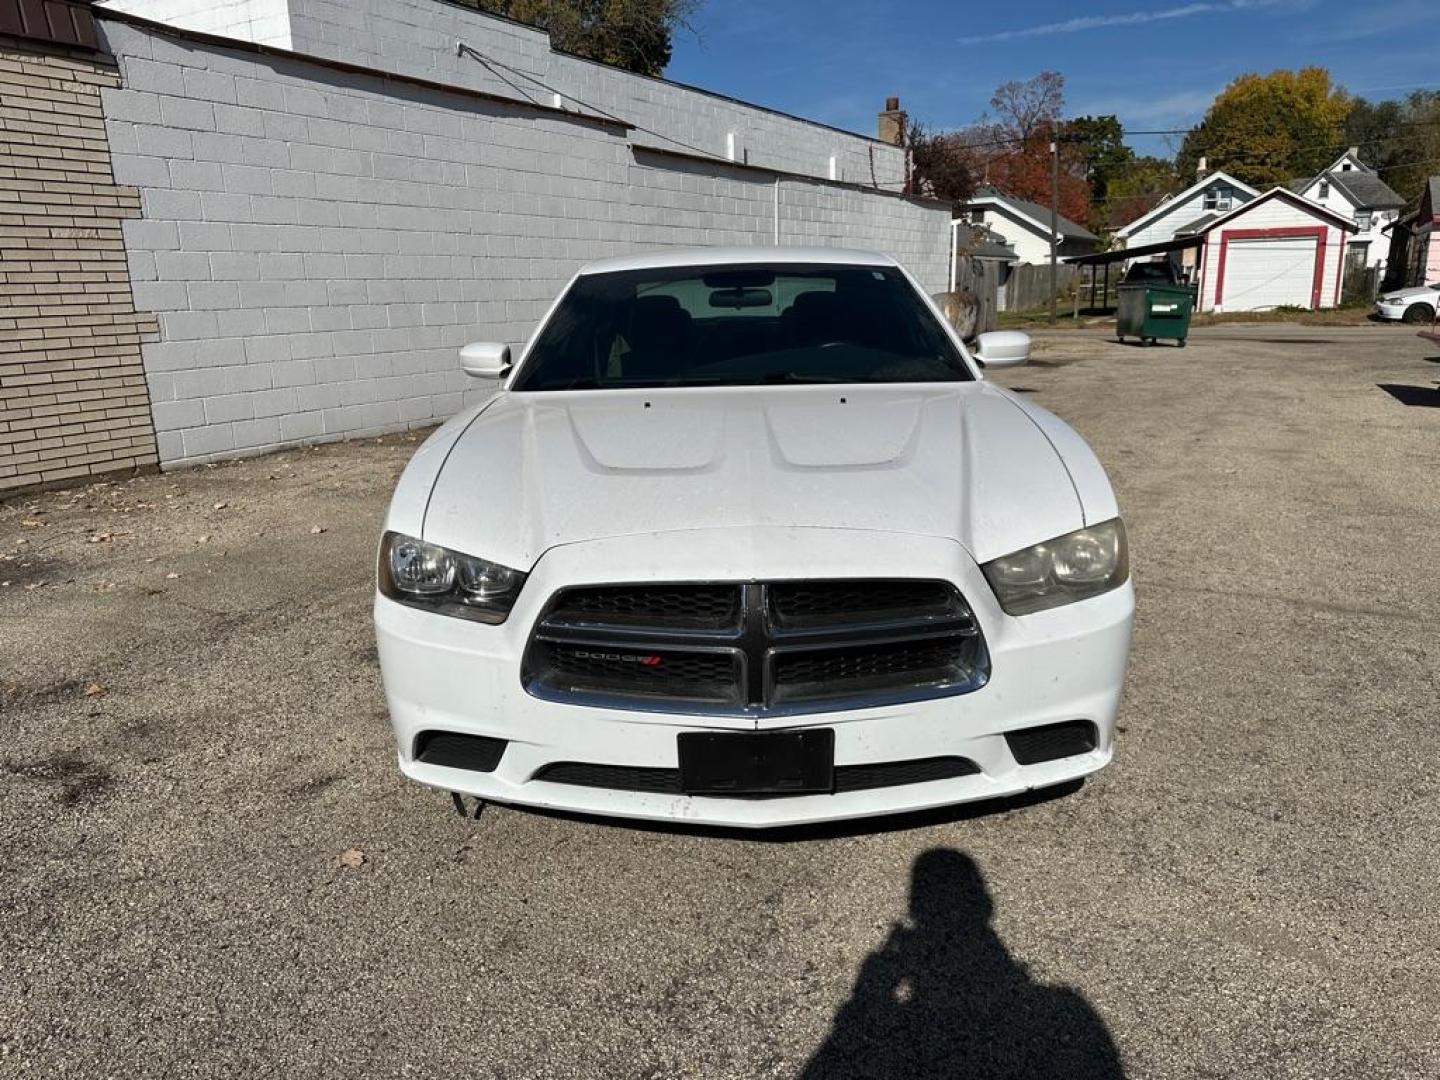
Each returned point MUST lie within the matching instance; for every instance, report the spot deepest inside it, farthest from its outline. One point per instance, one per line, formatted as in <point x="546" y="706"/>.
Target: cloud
<point x="1132" y="18"/>
<point x="1181" y="105"/>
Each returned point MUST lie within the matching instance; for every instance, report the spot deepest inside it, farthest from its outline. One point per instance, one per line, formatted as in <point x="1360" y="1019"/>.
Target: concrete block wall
<point x="317" y="243"/>
<point x="72" y="390"/>
<point x="265" y="22"/>
<point x="715" y="205"/>
<point x="418" y="38"/>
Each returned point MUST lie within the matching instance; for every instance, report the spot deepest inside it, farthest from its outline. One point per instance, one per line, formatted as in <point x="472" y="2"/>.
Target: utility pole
<point x="1054" y="222"/>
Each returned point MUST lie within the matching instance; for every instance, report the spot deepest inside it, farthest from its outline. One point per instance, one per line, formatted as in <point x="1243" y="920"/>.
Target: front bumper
<point x="1392" y="313"/>
<point x="447" y="674"/>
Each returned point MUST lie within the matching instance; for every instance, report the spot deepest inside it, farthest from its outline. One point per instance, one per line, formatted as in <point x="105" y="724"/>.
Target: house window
<point x="1324" y="189"/>
<point x="1219" y="197"/>
<point x="977" y="217"/>
<point x="1345" y="167"/>
<point x="1362" y="219"/>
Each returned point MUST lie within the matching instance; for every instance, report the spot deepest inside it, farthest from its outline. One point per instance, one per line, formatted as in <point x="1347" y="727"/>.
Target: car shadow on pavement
<point x="943" y="997"/>
<point x="1424" y="396"/>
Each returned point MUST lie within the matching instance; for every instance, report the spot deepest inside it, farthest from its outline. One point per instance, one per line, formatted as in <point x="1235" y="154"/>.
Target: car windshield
<point x="740" y="325"/>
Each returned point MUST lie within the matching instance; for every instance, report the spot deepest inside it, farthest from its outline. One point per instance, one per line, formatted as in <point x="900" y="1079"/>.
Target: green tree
<point x="1132" y="191"/>
<point x="1399" y="139"/>
<point x="1098" y="150"/>
<point x="1267" y="129"/>
<point x="630" y="34"/>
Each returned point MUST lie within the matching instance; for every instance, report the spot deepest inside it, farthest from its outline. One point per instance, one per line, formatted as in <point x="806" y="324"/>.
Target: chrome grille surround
<point x="756" y="647"/>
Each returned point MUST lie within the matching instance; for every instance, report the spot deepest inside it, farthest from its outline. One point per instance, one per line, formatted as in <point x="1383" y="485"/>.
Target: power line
<point x="487" y="61"/>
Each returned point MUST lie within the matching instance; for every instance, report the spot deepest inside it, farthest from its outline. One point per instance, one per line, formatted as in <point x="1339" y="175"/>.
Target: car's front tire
<point x="1419" y="313"/>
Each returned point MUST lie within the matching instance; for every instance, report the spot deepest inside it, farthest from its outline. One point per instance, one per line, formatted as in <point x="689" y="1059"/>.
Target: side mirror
<point x="485" y="360"/>
<point x="1002" y="349"/>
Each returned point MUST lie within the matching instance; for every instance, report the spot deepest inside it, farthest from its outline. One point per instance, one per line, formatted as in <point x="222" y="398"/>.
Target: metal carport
<point x="1107" y="258"/>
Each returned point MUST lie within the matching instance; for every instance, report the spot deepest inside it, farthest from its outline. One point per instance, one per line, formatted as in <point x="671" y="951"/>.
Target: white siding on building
<point x="1030" y="246"/>
<point x="1273" y="272"/>
<point x="318" y="243"/>
<point x="1375" y="242"/>
<point x="1181" y="211"/>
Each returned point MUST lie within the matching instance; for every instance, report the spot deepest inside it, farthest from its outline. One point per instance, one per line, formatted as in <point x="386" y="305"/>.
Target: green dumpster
<point x="1152" y="310"/>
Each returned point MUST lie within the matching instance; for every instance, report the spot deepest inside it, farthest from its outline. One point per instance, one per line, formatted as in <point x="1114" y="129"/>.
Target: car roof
<point x="724" y="256"/>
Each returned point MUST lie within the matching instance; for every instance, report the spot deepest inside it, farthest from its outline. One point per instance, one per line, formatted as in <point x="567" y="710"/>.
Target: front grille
<point x="756" y="647"/>
<point x="809" y="603"/>
<point x="822" y="673"/>
<point x="687" y="676"/>
<point x="685" y="605"/>
<point x="661" y="781"/>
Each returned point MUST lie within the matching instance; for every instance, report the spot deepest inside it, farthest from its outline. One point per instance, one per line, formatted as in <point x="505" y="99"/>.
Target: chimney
<point x="1201" y="168"/>
<point x="892" y="123"/>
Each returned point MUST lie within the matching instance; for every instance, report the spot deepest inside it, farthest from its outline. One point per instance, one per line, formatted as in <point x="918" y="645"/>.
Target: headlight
<point x="1080" y="564"/>
<point x="434" y="578"/>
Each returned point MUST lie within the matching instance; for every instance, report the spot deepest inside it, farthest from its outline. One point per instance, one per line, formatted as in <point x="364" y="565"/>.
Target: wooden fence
<point x="1029" y="286"/>
<point x="1361" y="283"/>
<point x="981" y="279"/>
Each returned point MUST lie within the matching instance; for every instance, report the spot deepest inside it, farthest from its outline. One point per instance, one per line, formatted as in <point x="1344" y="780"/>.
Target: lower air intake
<point x="1052" y="741"/>
<point x="455" y="751"/>
<point x="847" y="777"/>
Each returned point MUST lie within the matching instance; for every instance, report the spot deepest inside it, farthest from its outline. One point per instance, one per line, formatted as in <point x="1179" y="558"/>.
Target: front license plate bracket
<point x="757" y="763"/>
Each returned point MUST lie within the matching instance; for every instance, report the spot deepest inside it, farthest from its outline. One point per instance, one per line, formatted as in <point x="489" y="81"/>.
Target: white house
<point x="1275" y="250"/>
<point x="1214" y="193"/>
<point x="1025" y="226"/>
<point x="1353" y="189"/>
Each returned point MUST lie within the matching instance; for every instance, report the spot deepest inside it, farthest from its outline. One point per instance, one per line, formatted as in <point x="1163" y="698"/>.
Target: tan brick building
<point x="73" y="399"/>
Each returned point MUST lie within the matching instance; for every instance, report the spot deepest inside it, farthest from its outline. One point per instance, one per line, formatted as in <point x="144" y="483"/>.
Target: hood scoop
<point x="644" y="436"/>
<point x="834" y="434"/>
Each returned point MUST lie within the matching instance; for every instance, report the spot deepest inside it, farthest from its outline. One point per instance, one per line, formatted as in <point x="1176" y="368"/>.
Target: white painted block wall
<point x="418" y="38"/>
<point x="265" y="22"/>
<point x="317" y="244"/>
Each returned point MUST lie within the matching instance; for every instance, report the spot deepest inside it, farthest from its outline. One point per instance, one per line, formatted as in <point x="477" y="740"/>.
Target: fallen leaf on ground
<point x="352" y="857"/>
<point x="220" y="506"/>
<point x="171" y="576"/>
<point x="95" y="690"/>
<point x="316" y="530"/>
<point x="31" y="523"/>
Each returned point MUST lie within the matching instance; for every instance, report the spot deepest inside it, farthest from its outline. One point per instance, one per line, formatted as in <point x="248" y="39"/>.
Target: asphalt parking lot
<point x="212" y="866"/>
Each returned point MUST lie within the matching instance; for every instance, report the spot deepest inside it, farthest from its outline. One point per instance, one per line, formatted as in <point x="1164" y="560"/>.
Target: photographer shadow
<point x="943" y="997"/>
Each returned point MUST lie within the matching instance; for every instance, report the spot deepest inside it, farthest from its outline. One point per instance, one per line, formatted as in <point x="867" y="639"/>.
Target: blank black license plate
<point x="763" y="763"/>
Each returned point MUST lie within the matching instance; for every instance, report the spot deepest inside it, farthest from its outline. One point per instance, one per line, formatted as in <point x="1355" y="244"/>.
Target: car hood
<point x="962" y="461"/>
<point x="1412" y="293"/>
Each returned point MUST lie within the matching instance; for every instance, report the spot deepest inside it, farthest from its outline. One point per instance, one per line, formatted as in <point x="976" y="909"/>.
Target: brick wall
<point x="73" y="401"/>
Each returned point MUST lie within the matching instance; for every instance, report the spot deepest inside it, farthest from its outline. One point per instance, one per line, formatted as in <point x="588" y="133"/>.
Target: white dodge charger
<point x="745" y="538"/>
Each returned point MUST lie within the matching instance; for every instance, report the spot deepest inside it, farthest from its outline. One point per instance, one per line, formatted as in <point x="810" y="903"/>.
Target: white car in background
<point x="1415" y="305"/>
<point x="745" y="538"/>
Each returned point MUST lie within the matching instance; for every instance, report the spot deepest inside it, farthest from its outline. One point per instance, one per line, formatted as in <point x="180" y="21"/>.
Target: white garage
<point x="1279" y="250"/>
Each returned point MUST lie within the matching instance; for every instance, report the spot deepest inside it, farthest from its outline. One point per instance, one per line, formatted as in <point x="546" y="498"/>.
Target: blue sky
<point x="1154" y="65"/>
